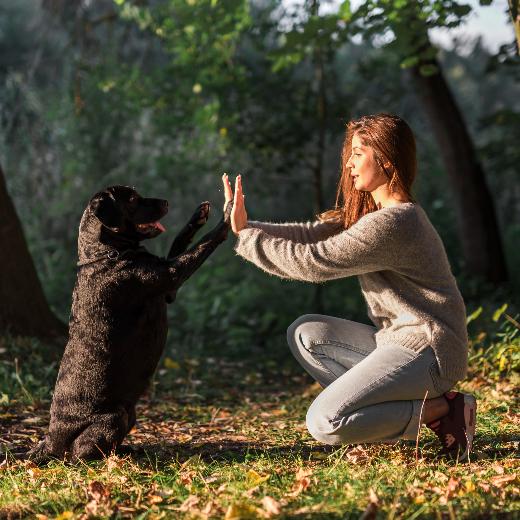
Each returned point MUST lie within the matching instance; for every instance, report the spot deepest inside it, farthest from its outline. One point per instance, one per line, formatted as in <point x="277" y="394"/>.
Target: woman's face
<point x="364" y="169"/>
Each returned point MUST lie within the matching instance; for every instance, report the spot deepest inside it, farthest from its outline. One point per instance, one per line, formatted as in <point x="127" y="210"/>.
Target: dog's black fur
<point x="118" y="326"/>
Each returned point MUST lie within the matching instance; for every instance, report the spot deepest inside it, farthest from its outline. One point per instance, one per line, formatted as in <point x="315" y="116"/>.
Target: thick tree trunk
<point x="23" y="309"/>
<point x="479" y="233"/>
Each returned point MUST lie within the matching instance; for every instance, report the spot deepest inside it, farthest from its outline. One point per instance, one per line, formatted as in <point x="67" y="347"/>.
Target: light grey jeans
<point x="370" y="394"/>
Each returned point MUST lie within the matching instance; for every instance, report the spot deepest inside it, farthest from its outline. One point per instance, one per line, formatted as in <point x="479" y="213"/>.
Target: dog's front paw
<point x="200" y="217"/>
<point x="227" y="212"/>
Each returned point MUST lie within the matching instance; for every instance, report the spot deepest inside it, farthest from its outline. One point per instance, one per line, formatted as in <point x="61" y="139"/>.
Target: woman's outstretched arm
<point x="378" y="241"/>
<point x="303" y="233"/>
<point x="363" y="248"/>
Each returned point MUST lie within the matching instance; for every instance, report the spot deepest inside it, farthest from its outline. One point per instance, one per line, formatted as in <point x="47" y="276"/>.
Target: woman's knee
<point x="300" y="331"/>
<point x="320" y="426"/>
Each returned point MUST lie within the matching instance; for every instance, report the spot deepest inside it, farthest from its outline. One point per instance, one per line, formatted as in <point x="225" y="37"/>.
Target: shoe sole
<point x="470" y="423"/>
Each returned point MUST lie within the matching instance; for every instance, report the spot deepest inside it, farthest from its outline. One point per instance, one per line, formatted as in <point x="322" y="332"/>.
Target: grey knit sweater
<point x="404" y="273"/>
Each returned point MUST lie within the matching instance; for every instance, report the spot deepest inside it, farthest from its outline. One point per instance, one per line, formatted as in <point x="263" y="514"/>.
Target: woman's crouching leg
<point x="378" y="400"/>
<point x="382" y="422"/>
<point x="326" y="347"/>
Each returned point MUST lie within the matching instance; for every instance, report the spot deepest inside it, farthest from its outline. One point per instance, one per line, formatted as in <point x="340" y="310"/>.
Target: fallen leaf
<point x="302" y="482"/>
<point x="98" y="499"/>
<point x="452" y="486"/>
<point x="34" y="473"/>
<point x="65" y="515"/>
<point x="271" y="506"/>
<point x="470" y="486"/>
<point x="154" y="499"/>
<point x="484" y="486"/>
<point x="242" y="511"/>
<point x="502" y="480"/>
<point x="191" y="501"/>
<point x="498" y="469"/>
<point x="221" y="488"/>
<point x="186" y="477"/>
<point x="113" y="462"/>
<point x="254" y="479"/>
<point x="357" y="455"/>
<point x="208" y="508"/>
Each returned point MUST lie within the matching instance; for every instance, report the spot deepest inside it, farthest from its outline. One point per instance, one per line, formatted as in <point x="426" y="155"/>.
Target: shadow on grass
<point x="242" y="451"/>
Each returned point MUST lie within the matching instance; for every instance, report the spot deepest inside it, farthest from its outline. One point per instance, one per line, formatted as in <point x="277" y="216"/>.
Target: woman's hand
<point x="238" y="214"/>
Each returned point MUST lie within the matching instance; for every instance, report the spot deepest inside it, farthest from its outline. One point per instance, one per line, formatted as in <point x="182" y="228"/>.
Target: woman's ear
<point x="104" y="207"/>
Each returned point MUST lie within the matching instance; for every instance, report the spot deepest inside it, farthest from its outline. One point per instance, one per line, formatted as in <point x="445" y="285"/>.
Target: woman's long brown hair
<point x="393" y="143"/>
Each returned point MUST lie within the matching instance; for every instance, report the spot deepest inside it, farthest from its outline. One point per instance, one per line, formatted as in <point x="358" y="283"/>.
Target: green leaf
<point x="345" y="12"/>
<point x="474" y="315"/>
<point x="411" y="61"/>
<point x="428" y="70"/>
<point x="499" y="312"/>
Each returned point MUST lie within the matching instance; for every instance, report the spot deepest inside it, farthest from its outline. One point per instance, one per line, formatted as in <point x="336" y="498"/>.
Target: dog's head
<point x="124" y="212"/>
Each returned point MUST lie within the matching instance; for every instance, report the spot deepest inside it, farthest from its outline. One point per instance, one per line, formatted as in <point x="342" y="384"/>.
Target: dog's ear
<point x="104" y="207"/>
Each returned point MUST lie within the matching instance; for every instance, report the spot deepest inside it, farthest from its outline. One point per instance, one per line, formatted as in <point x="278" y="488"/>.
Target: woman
<point x="380" y="383"/>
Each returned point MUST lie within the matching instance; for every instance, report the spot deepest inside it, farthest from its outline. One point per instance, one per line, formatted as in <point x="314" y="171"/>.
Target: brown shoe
<point x="457" y="429"/>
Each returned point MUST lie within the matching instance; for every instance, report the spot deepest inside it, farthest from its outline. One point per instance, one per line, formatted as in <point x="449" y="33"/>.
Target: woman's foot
<point x="457" y="429"/>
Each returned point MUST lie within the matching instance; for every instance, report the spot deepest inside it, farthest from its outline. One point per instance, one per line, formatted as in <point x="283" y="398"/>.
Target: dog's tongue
<point x="159" y="226"/>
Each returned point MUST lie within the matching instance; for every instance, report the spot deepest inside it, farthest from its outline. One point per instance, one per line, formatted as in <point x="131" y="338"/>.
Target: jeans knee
<point x="321" y="428"/>
<point x="297" y="329"/>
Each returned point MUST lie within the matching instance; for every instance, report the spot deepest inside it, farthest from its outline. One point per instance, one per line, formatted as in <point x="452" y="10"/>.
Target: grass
<point x="222" y="438"/>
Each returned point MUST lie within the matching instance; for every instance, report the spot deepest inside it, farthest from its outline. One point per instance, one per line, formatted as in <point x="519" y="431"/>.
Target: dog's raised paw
<point x="227" y="212"/>
<point x="202" y="213"/>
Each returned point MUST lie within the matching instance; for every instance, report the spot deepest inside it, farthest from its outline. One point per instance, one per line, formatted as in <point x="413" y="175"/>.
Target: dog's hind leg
<point x="100" y="438"/>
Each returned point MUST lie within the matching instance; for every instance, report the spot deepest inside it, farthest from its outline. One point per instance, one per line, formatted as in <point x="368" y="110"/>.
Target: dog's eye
<point x="132" y="199"/>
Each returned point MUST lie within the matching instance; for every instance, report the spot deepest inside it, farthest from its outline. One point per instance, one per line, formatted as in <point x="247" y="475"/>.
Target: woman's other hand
<point x="239" y="214"/>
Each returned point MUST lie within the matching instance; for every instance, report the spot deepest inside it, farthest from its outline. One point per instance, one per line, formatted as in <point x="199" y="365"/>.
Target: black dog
<point x="118" y="326"/>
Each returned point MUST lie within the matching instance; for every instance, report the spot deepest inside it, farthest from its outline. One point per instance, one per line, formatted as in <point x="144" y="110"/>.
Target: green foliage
<point x="495" y="342"/>
<point x="27" y="372"/>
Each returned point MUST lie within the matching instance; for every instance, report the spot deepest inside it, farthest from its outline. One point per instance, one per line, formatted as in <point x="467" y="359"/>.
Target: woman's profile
<point x="379" y="382"/>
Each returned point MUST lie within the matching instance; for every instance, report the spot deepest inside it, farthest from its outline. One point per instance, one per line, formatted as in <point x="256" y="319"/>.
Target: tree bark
<point x="23" y="309"/>
<point x="479" y="232"/>
<point x="514" y="10"/>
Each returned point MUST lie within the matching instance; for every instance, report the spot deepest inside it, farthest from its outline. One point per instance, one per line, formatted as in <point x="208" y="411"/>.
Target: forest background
<point x="166" y="95"/>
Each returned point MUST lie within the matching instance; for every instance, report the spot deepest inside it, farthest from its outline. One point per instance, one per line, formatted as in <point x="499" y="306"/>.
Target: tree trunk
<point x="24" y="309"/>
<point x="480" y="236"/>
<point x="514" y="10"/>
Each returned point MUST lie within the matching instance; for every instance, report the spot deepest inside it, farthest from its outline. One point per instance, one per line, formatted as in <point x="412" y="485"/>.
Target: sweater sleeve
<point x="303" y="233"/>
<point x="374" y="243"/>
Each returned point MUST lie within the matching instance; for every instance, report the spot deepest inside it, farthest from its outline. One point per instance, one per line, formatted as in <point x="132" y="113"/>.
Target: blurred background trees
<point x="168" y="94"/>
